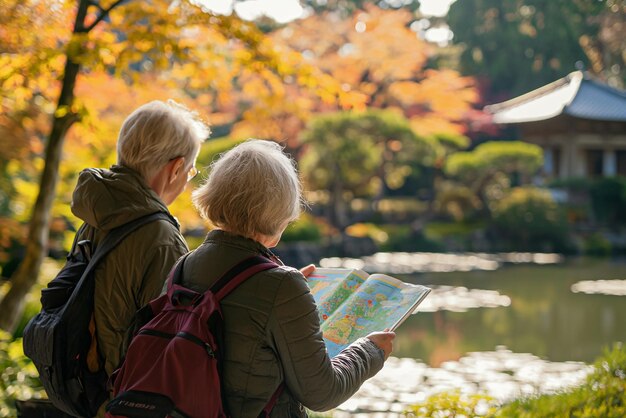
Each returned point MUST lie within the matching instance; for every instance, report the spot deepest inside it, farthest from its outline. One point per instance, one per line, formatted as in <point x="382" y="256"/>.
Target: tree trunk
<point x="12" y="305"/>
<point x="338" y="217"/>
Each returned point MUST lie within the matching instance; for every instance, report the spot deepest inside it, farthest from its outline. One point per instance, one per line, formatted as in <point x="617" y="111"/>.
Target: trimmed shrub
<point x="608" y="199"/>
<point x="529" y="219"/>
<point x="597" y="245"/>
<point x="306" y="228"/>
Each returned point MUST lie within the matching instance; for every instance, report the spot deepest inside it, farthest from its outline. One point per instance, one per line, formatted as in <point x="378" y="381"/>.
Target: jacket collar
<point x="228" y="238"/>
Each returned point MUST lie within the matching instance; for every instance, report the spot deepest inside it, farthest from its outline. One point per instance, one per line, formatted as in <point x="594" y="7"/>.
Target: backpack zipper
<point x="187" y="336"/>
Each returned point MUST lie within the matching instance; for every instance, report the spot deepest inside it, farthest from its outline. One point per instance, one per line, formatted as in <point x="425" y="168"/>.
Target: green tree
<point x="490" y="169"/>
<point x="521" y="45"/>
<point x="354" y="154"/>
<point x="444" y="145"/>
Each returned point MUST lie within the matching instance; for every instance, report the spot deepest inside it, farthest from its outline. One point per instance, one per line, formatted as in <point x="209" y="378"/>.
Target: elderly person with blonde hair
<point x="156" y="153"/>
<point x="271" y="331"/>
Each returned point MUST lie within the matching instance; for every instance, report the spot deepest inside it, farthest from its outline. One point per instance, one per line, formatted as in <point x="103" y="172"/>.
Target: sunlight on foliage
<point x="18" y="376"/>
<point x="453" y="404"/>
<point x="602" y="395"/>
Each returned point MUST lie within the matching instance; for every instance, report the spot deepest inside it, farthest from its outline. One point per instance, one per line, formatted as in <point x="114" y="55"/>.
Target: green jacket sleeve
<point x="318" y="382"/>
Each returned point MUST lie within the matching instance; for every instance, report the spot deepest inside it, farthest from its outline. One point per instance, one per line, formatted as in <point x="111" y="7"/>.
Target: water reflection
<point x="602" y="287"/>
<point x="547" y="311"/>
<point x="544" y="318"/>
<point x="408" y="263"/>
<point x="501" y="374"/>
<point x="460" y="299"/>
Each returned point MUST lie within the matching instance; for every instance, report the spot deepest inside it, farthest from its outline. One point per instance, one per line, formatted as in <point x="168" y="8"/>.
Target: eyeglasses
<point x="193" y="171"/>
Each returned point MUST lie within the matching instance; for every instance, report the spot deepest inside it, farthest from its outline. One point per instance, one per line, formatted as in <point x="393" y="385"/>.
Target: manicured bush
<point x="528" y="219"/>
<point x="608" y="199"/>
<point x="597" y="245"/>
<point x="403" y="238"/>
<point x="306" y="228"/>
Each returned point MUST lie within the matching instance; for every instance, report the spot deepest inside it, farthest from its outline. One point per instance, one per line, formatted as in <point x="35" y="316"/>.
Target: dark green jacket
<point x="272" y="334"/>
<point x="133" y="273"/>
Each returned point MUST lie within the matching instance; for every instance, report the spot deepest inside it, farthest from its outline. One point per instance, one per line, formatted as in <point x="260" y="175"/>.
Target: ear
<point x="175" y="169"/>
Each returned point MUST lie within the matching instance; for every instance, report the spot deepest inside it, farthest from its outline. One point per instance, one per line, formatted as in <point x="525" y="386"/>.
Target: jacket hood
<point x="107" y="199"/>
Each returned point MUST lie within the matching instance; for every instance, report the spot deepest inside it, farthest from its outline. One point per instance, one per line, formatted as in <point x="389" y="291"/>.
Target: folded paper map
<point x="353" y="304"/>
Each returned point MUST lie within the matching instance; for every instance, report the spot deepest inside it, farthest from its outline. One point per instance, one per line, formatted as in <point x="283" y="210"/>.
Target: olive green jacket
<point x="133" y="273"/>
<point x="272" y="335"/>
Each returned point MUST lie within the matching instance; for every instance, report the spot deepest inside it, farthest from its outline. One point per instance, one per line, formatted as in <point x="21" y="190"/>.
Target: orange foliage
<point x="376" y="61"/>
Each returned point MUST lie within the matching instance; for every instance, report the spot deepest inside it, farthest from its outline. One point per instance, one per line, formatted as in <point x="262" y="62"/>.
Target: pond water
<point x="504" y="325"/>
<point x="538" y="312"/>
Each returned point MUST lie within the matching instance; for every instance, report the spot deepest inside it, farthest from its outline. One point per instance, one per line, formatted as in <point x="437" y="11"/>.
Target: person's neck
<point x="159" y="183"/>
<point x="264" y="240"/>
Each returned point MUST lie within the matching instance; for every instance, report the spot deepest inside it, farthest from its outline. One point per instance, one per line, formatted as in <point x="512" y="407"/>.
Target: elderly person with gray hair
<point x="157" y="149"/>
<point x="271" y="330"/>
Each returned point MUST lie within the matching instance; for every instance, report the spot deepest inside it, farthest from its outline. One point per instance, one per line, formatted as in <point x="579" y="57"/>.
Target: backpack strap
<point x="228" y="282"/>
<point x="265" y="413"/>
<point x="117" y="235"/>
<point x="239" y="273"/>
<point x="112" y="239"/>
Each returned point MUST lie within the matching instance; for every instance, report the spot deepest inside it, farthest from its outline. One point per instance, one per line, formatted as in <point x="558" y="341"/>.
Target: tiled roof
<point x="575" y="95"/>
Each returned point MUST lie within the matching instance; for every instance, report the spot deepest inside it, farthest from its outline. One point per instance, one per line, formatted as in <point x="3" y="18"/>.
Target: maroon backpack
<point x="172" y="365"/>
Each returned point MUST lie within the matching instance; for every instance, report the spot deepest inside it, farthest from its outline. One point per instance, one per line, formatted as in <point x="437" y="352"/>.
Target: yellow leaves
<point x="431" y="124"/>
<point x="21" y="205"/>
<point x="143" y="45"/>
<point x="13" y="168"/>
<point x="107" y="57"/>
<point x="61" y="111"/>
<point x="13" y="81"/>
<point x="76" y="46"/>
<point x="367" y="230"/>
<point x="406" y="92"/>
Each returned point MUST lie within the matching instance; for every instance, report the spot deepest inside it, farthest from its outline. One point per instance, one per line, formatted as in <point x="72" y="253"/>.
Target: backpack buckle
<point x="185" y="297"/>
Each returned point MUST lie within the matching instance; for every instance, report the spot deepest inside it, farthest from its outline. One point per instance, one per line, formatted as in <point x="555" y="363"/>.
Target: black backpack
<point x="59" y="338"/>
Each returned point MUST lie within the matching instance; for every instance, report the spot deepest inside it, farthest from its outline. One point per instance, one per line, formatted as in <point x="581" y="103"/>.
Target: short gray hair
<point x="158" y="132"/>
<point x="251" y="189"/>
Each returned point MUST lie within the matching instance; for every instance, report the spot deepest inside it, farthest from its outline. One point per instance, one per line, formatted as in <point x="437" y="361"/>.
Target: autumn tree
<point x="376" y="60"/>
<point x="352" y="154"/>
<point x="173" y="46"/>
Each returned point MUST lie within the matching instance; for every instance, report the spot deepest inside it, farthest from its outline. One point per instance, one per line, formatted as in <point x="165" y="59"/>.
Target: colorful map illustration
<point x="352" y="305"/>
<point x="331" y="287"/>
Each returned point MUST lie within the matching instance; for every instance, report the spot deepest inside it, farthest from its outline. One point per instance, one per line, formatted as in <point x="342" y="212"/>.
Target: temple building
<point x="579" y="122"/>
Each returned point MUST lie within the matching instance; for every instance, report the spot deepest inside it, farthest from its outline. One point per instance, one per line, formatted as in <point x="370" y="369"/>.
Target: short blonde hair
<point x="158" y="132"/>
<point x="251" y="189"/>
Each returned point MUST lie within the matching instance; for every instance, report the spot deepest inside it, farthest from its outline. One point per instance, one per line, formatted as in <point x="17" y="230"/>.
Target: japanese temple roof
<point x="575" y="95"/>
